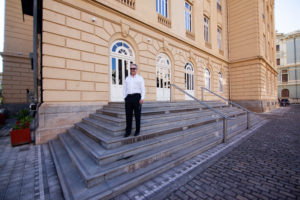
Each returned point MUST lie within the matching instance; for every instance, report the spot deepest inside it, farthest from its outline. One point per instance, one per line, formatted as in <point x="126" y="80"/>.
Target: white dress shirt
<point x="134" y="85"/>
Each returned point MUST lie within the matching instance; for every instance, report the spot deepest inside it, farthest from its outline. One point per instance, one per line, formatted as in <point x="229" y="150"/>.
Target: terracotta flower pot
<point x="20" y="136"/>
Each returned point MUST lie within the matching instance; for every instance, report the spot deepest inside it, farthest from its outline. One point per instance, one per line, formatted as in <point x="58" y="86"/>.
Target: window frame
<point x="206" y="27"/>
<point x="162" y="7"/>
<point x="219" y="37"/>
<point x="207" y="78"/>
<point x="221" y="89"/>
<point x="188" y="14"/>
<point x="219" y="5"/>
<point x="189" y="76"/>
<point x="284" y="76"/>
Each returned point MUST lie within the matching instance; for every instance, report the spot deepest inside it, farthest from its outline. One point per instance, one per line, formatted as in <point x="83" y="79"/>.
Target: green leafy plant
<point x="23" y="120"/>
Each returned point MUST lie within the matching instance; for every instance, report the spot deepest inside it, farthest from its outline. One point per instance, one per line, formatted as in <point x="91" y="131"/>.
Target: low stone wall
<point x="54" y="119"/>
<point x="258" y="105"/>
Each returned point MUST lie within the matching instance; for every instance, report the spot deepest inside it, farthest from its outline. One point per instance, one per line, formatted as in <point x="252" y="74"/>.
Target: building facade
<point x="226" y="46"/>
<point x="17" y="80"/>
<point x="288" y="65"/>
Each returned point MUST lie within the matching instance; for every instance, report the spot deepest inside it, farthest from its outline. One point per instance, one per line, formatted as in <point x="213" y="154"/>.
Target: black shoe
<point x="137" y="133"/>
<point x="127" y="134"/>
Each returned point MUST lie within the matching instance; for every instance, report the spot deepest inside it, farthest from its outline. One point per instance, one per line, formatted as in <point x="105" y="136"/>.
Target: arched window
<point x="220" y="82"/>
<point x="285" y="93"/>
<point x="163" y="77"/>
<point x="121" y="55"/>
<point x="207" y="79"/>
<point x="189" y="76"/>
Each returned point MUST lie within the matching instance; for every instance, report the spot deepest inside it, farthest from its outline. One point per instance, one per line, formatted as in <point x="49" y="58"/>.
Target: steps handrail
<point x="224" y="117"/>
<point x="202" y="103"/>
<point x="227" y="100"/>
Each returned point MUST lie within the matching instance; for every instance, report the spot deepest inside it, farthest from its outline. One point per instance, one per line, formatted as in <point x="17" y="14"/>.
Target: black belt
<point x="133" y="94"/>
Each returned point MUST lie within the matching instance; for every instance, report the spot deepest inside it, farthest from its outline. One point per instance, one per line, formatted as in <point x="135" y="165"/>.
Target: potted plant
<point x="20" y="134"/>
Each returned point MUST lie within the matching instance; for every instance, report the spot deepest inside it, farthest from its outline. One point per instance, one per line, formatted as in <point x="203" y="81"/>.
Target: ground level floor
<point x="28" y="172"/>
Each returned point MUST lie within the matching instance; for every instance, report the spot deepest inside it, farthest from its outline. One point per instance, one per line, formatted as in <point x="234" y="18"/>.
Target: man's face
<point x="133" y="70"/>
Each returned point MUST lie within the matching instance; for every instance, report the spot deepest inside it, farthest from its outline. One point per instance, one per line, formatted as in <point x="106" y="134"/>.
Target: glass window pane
<point x="126" y="68"/>
<point x="120" y="71"/>
<point x="113" y="71"/>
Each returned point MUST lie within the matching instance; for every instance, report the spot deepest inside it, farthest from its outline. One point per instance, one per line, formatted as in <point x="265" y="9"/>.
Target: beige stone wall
<point x="77" y="36"/>
<point x="17" y="73"/>
<point x="76" y="52"/>
<point x="17" y="77"/>
<point x="252" y="54"/>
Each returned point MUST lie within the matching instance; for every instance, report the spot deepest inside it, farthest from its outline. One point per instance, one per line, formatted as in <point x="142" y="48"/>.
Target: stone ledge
<point x="57" y="118"/>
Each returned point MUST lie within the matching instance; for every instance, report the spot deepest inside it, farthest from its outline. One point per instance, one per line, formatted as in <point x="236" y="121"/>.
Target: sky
<point x="287" y="15"/>
<point x="287" y="18"/>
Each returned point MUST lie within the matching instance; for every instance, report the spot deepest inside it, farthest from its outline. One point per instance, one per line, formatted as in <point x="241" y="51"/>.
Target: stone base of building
<point x="258" y="105"/>
<point x="54" y="119"/>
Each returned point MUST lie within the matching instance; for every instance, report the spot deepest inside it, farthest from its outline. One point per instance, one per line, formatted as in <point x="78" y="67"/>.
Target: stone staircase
<point x="94" y="160"/>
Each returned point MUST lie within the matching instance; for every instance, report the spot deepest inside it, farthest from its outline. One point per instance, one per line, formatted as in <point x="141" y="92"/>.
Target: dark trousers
<point x="132" y="103"/>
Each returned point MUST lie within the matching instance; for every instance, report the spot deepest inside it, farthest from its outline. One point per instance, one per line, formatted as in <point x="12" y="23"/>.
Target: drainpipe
<point x="295" y="49"/>
<point x="35" y="70"/>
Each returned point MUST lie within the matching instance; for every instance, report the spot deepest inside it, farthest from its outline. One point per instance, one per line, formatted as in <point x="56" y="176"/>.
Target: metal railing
<point x="229" y="103"/>
<point x="223" y="116"/>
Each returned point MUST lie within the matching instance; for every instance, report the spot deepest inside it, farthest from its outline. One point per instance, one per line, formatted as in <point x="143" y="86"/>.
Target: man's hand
<point x="141" y="101"/>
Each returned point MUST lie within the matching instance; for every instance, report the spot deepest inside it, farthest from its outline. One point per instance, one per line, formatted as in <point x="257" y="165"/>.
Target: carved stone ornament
<point x="124" y="29"/>
<point x="165" y="44"/>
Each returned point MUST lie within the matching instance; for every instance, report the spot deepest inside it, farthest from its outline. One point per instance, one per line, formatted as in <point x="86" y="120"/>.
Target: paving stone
<point x="266" y="166"/>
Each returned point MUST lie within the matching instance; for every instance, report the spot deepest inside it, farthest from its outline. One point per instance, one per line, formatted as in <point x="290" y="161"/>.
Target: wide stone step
<point x="120" y="123"/>
<point x="158" y="110"/>
<point x="103" y="156"/>
<point x="75" y="187"/>
<point x="93" y="174"/>
<point x="109" y="142"/>
<point x="156" y="123"/>
<point x="156" y="104"/>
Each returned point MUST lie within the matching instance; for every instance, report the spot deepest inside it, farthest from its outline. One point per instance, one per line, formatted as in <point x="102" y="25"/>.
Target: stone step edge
<point x="120" y="121"/>
<point x="93" y="178"/>
<point x="120" y="126"/>
<point x="132" y="180"/>
<point x="117" y="130"/>
<point x="119" y="113"/>
<point x="133" y="146"/>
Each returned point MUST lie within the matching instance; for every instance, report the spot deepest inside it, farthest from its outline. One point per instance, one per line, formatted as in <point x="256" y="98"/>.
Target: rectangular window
<point x="284" y="76"/>
<point x="278" y="61"/>
<point x="206" y="29"/>
<point x="219" y="6"/>
<point x="162" y="7"/>
<point x="277" y="47"/>
<point x="219" y="38"/>
<point x="188" y="17"/>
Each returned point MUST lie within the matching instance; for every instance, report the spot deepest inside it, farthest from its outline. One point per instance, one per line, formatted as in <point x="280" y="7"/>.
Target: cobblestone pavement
<point x="27" y="172"/>
<point x="266" y="166"/>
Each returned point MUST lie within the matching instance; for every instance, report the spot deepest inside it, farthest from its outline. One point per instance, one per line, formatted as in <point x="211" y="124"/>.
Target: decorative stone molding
<point x="129" y="3"/>
<point x="163" y="20"/>
<point x="190" y="35"/>
<point x="124" y="29"/>
<point x="165" y="44"/>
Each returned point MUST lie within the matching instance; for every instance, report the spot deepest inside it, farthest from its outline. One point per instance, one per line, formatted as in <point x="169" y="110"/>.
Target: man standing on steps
<point x="134" y="94"/>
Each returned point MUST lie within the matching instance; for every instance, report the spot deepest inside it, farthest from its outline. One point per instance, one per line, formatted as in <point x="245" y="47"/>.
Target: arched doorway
<point x="285" y="93"/>
<point x="121" y="55"/>
<point x="163" y="77"/>
<point x="189" y="80"/>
